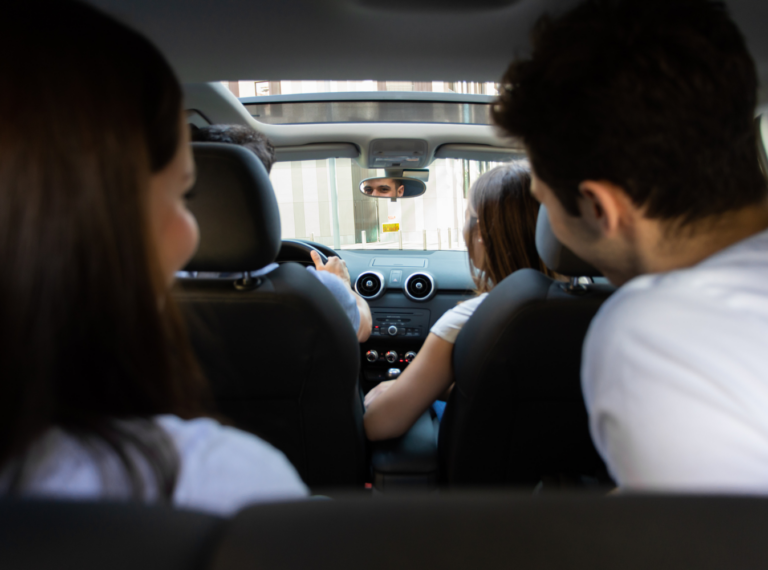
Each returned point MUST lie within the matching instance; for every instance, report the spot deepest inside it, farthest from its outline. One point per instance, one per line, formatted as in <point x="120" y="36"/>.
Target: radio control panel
<point x="395" y="335"/>
<point x="400" y="323"/>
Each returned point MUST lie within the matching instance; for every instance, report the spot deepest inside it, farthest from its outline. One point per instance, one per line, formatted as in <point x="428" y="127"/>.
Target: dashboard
<point x="408" y="291"/>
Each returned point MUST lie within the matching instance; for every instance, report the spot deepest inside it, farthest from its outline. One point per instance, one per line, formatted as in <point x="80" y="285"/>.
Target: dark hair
<point x="89" y="336"/>
<point x="240" y="135"/>
<point x="503" y="214"/>
<point x="654" y="96"/>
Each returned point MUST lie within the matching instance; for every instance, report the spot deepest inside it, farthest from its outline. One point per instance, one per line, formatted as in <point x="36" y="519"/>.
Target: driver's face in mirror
<point x="384" y="188"/>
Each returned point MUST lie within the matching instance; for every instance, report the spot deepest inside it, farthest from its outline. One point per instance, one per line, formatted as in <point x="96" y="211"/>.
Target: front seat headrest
<point x="555" y="255"/>
<point x="236" y="209"/>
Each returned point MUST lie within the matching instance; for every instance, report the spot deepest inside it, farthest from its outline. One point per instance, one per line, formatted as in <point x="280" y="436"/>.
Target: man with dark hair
<point x="241" y="135"/>
<point x="637" y="116"/>
<point x="333" y="274"/>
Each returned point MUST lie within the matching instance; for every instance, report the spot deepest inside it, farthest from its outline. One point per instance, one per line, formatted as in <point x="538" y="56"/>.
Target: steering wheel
<point x="295" y="250"/>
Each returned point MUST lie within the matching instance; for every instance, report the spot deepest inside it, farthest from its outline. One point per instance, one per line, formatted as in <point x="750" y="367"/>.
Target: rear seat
<point x="84" y="535"/>
<point x="487" y="531"/>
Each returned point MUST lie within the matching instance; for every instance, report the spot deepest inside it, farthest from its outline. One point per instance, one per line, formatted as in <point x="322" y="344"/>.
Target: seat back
<point x="497" y="531"/>
<point x="279" y="352"/>
<point x="516" y="415"/>
<point x="283" y="363"/>
<point x="42" y="535"/>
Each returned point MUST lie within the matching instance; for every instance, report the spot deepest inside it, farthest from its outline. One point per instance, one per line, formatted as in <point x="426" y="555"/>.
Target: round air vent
<point x="369" y="284"/>
<point x="419" y="286"/>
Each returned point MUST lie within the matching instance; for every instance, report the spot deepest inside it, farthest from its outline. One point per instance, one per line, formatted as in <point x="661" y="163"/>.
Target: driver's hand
<point x="377" y="391"/>
<point x="335" y="265"/>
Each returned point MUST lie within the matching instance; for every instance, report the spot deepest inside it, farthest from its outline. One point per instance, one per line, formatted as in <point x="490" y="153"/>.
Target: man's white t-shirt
<point x="675" y="376"/>
<point x="222" y="469"/>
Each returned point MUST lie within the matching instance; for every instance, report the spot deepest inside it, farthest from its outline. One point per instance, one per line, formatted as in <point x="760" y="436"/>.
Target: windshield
<point x="320" y="201"/>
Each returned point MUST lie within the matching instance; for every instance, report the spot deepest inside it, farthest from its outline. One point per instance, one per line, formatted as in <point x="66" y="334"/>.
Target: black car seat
<point x="278" y="350"/>
<point x="516" y="415"/>
<point x="85" y="535"/>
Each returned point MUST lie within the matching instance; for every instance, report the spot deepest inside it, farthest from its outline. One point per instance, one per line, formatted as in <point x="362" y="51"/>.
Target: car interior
<point x="510" y="474"/>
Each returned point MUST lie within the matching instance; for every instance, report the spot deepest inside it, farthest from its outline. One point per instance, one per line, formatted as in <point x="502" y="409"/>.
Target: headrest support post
<point x="246" y="282"/>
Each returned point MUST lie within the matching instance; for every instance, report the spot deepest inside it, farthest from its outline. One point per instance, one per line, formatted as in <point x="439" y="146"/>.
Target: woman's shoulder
<point x="224" y="468"/>
<point x="474" y="302"/>
<point x="465" y="309"/>
<point x="450" y="324"/>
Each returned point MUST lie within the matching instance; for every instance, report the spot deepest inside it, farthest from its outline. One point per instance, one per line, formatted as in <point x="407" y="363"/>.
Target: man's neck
<point x="661" y="247"/>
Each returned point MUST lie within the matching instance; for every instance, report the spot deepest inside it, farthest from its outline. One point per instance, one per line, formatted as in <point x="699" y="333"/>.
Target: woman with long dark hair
<point x="100" y="393"/>
<point x="499" y="231"/>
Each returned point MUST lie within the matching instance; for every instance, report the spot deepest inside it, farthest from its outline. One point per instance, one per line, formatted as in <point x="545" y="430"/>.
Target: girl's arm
<point x="393" y="407"/>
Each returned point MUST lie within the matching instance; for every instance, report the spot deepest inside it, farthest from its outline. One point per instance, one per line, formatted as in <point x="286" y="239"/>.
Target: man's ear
<point x="603" y="206"/>
<point x="400" y="190"/>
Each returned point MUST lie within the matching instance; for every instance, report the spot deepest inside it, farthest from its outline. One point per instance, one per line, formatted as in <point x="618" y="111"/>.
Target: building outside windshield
<point x="305" y="189"/>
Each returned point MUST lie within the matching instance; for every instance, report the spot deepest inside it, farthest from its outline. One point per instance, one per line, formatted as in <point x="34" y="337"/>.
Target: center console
<point x="408" y="462"/>
<point x="395" y="339"/>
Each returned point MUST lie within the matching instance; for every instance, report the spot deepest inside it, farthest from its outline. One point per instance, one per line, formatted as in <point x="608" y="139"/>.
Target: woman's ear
<point x="605" y="207"/>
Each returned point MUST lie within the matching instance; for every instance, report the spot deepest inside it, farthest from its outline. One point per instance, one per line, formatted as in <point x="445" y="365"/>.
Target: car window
<point x="259" y="88"/>
<point x="313" y="102"/>
<point x="308" y="191"/>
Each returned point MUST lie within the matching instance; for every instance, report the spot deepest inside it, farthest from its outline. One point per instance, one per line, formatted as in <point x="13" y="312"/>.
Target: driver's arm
<point x="337" y="267"/>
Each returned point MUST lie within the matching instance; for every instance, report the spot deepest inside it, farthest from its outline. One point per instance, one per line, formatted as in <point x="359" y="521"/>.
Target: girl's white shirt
<point x="222" y="469"/>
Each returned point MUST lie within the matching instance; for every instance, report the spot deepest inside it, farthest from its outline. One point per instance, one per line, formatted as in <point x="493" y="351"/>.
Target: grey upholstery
<point x="43" y="535"/>
<point x="516" y="414"/>
<point x="488" y="531"/>
<point x="280" y="361"/>
<point x="496" y="531"/>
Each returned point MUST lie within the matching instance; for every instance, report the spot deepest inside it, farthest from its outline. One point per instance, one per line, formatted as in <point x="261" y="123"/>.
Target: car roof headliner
<point x="359" y="39"/>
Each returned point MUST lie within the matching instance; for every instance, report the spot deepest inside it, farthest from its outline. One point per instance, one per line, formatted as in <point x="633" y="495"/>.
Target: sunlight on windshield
<point x="305" y="194"/>
<point x="258" y="88"/>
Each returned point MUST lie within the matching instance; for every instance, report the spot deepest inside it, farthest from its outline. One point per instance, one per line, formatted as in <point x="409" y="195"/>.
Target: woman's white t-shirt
<point x="222" y="469"/>
<point x="450" y="324"/>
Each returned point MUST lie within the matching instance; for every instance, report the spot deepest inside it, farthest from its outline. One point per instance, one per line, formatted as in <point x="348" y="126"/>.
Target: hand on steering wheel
<point x="334" y="265"/>
<point x="297" y="250"/>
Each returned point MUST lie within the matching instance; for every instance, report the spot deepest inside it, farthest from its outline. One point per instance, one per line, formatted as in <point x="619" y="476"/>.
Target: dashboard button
<point x="392" y="330"/>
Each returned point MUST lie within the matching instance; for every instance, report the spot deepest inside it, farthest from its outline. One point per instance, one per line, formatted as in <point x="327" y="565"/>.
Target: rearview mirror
<point x="392" y="187"/>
